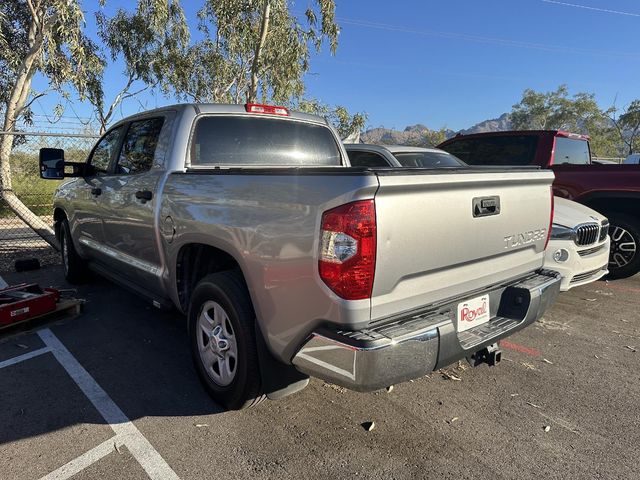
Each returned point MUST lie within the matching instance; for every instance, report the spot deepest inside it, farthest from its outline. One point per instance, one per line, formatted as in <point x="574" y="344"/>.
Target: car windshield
<point x="428" y="159"/>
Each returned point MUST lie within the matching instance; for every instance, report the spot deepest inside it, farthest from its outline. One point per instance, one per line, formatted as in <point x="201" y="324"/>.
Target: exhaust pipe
<point x="491" y="355"/>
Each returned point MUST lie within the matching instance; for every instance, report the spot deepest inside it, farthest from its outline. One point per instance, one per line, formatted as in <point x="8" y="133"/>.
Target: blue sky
<point x="457" y="62"/>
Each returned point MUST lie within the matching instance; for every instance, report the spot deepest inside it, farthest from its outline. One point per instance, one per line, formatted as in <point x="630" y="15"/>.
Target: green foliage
<point x="579" y="113"/>
<point x="49" y="39"/>
<point x="343" y="121"/>
<point x="148" y="40"/>
<point x="433" y="138"/>
<point x="628" y="126"/>
<point x="248" y="38"/>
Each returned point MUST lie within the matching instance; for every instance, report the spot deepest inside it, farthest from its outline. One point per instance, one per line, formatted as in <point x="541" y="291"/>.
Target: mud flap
<point x="278" y="379"/>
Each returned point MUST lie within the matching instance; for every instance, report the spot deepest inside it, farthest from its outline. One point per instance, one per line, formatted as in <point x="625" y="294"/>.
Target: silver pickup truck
<point x="289" y="262"/>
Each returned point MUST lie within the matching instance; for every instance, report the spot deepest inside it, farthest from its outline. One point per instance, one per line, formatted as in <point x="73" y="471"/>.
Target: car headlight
<point x="560" y="232"/>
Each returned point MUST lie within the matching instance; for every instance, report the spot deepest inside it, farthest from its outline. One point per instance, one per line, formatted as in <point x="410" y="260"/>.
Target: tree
<point x="433" y="138"/>
<point x="628" y="126"/>
<point x="148" y="40"/>
<point x="44" y="36"/>
<point x="344" y="122"/>
<point x="254" y="49"/>
<point x="579" y="113"/>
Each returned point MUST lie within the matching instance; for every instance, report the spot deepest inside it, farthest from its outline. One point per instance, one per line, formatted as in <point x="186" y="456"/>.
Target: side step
<point x="158" y="302"/>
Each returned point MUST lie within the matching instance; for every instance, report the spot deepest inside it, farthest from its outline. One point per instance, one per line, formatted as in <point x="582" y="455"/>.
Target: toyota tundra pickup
<point x="613" y="190"/>
<point x="288" y="262"/>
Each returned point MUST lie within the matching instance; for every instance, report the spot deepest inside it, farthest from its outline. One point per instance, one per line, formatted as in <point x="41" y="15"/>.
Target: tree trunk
<point x="255" y="65"/>
<point x="15" y="104"/>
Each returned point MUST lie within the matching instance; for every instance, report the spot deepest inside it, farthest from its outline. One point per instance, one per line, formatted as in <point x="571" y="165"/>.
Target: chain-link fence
<point x="17" y="239"/>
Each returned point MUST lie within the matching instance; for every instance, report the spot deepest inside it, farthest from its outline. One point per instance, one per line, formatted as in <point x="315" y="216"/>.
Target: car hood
<point x="570" y="214"/>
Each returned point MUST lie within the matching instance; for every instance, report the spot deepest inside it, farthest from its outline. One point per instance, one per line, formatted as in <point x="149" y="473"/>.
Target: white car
<point x="579" y="245"/>
<point x="633" y="159"/>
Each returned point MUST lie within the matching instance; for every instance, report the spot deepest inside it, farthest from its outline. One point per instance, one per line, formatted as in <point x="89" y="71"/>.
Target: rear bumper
<point x="414" y="344"/>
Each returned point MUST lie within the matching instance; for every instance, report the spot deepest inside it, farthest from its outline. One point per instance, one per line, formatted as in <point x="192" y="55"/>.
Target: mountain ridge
<point x="415" y="134"/>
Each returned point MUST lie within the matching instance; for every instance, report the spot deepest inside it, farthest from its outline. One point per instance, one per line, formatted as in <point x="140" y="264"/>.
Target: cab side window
<point x="139" y="146"/>
<point x="102" y="154"/>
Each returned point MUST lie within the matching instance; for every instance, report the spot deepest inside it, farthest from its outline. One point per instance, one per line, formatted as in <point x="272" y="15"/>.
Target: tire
<point x="624" y="258"/>
<point x="75" y="268"/>
<point x="223" y="341"/>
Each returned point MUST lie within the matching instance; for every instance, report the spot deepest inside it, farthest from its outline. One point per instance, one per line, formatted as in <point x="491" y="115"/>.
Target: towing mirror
<point x="52" y="163"/>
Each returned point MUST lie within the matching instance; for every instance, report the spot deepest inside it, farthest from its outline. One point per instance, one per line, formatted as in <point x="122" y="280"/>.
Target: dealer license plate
<point x="473" y="312"/>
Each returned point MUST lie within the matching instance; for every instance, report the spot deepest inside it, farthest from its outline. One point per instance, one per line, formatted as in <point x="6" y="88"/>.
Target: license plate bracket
<point x="473" y="312"/>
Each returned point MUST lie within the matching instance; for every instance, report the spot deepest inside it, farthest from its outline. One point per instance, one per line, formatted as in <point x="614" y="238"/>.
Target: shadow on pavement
<point x="136" y="353"/>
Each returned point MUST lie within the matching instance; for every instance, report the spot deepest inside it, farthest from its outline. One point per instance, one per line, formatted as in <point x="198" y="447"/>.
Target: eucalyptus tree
<point x="149" y="41"/>
<point x="628" y="126"/>
<point x="48" y="37"/>
<point x="557" y="109"/>
<point x="254" y="50"/>
<point x="347" y="124"/>
<point x="38" y="36"/>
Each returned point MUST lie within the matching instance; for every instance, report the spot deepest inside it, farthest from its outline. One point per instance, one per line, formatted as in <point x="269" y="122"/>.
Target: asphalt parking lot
<point x="112" y="394"/>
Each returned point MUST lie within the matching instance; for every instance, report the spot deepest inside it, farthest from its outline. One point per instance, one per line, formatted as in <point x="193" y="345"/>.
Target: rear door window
<point x="570" y="150"/>
<point x="259" y="141"/>
<point x="507" y="150"/>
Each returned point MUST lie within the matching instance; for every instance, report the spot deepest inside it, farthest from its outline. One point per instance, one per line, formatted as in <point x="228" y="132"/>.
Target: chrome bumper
<point x="414" y="344"/>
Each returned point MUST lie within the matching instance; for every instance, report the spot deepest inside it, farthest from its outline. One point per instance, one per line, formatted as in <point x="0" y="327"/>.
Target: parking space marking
<point x="83" y="461"/>
<point x="126" y="432"/>
<point x="534" y="352"/>
<point x="23" y="357"/>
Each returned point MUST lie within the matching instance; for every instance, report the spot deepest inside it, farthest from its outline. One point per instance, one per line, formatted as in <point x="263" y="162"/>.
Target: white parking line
<point x="83" y="461"/>
<point x="126" y="432"/>
<point x="23" y="357"/>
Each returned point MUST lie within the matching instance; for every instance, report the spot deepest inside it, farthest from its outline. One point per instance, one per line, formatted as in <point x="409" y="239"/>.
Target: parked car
<point x="633" y="159"/>
<point x="579" y="245"/>
<point x="289" y="262"/>
<point x="370" y="155"/>
<point x="613" y="190"/>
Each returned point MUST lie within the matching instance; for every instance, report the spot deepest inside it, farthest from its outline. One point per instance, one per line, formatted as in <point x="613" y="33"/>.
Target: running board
<point x="124" y="282"/>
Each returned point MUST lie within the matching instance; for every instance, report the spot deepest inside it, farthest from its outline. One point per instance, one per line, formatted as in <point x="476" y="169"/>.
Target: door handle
<point x="96" y="191"/>
<point x="144" y="195"/>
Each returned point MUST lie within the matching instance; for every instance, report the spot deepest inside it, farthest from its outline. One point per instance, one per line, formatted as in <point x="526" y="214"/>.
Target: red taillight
<point x="348" y="249"/>
<point x="550" y="220"/>
<point x="268" y="109"/>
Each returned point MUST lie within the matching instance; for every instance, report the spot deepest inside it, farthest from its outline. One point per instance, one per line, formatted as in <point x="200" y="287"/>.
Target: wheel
<point x="624" y="258"/>
<point x="223" y="341"/>
<point x="75" y="268"/>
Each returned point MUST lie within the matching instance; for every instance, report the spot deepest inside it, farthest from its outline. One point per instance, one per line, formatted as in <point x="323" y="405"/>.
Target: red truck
<point x="613" y="190"/>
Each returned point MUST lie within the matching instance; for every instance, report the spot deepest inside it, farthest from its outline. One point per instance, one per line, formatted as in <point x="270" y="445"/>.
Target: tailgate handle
<point x="486" y="206"/>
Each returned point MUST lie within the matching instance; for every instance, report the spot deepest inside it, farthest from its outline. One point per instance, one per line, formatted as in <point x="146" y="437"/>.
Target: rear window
<point x="366" y="159"/>
<point x="505" y="150"/>
<point x="573" y="151"/>
<point x="252" y="141"/>
<point x="427" y="159"/>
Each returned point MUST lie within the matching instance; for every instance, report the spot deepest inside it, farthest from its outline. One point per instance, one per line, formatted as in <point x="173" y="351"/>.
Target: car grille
<point x="587" y="234"/>
<point x="590" y="251"/>
<point x="587" y="275"/>
<point x="604" y="230"/>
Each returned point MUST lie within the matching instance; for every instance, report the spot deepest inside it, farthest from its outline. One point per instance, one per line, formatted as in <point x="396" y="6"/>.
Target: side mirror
<point x="52" y="163"/>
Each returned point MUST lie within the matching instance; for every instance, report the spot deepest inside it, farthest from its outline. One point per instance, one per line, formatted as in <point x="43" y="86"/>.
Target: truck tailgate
<point x="438" y="237"/>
